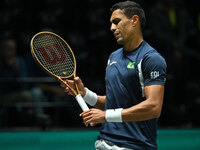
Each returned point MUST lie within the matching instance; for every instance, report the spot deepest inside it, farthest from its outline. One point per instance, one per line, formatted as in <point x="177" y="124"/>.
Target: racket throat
<point x="73" y="91"/>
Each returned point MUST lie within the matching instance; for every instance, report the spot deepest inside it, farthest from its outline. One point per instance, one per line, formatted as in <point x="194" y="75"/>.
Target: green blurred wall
<point x="84" y="140"/>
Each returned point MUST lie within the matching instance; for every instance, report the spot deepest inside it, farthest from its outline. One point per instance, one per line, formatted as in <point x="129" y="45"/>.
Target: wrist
<point x="90" y="97"/>
<point x="114" y="115"/>
<point x="84" y="92"/>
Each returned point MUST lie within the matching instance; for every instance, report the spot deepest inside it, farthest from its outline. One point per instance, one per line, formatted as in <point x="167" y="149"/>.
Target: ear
<point x="135" y="20"/>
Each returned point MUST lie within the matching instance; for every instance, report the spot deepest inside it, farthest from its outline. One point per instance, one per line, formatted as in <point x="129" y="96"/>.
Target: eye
<point x="116" y="21"/>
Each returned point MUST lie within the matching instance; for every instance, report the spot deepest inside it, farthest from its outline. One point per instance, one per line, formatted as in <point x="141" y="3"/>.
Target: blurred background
<point x="31" y="100"/>
<point x="36" y="113"/>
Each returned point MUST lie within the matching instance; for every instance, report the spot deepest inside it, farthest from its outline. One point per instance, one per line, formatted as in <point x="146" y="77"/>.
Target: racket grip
<point x="83" y="105"/>
<point x="81" y="102"/>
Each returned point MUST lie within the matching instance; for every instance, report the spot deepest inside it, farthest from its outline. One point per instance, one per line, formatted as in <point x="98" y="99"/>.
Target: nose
<point x="113" y="27"/>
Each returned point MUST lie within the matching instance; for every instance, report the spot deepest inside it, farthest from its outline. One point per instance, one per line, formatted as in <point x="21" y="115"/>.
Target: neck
<point x="134" y="43"/>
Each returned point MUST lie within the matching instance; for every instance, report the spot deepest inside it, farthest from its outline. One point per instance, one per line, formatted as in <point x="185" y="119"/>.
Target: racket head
<point x="53" y="54"/>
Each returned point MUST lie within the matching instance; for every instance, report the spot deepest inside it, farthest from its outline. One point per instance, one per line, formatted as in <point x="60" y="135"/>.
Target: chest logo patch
<point x="131" y="65"/>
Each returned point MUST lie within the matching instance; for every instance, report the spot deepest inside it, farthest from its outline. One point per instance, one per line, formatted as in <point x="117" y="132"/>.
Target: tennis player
<point x="135" y="78"/>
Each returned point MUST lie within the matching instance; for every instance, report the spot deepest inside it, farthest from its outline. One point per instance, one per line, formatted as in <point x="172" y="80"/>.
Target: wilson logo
<point x="53" y="53"/>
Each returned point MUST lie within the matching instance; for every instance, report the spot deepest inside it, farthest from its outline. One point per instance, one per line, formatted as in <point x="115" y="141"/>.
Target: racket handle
<point x="83" y="105"/>
<point x="81" y="102"/>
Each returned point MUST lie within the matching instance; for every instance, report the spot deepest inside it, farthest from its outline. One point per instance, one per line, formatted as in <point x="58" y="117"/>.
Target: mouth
<point x="116" y="35"/>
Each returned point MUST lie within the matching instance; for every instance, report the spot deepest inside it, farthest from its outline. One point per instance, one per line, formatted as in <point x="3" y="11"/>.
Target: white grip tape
<point x="83" y="105"/>
<point x="114" y="115"/>
<point x="81" y="102"/>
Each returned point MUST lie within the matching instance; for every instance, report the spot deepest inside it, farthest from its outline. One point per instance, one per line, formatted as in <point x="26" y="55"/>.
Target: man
<point x="135" y="78"/>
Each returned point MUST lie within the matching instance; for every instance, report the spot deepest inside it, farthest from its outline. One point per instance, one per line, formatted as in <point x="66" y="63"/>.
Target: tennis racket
<point x="56" y="57"/>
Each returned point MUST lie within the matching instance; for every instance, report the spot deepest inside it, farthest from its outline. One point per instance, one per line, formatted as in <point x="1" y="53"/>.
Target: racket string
<point x="50" y="51"/>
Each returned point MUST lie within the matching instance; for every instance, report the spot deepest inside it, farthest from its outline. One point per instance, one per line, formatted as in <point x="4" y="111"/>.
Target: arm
<point x="101" y="102"/>
<point x="100" y="99"/>
<point x="154" y="90"/>
<point x="148" y="109"/>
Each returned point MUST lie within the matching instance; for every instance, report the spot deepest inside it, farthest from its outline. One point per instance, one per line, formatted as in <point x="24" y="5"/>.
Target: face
<point x="121" y="27"/>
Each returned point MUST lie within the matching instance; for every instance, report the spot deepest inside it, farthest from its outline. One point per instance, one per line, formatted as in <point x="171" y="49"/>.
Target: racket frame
<point x="61" y="79"/>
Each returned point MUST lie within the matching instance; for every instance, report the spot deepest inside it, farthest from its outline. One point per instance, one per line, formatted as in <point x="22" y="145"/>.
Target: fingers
<point x="80" y="86"/>
<point x="77" y="80"/>
<point x="87" y="118"/>
<point x="69" y="82"/>
<point x="65" y="84"/>
<point x="93" y="116"/>
<point x="67" y="90"/>
<point x="79" y="83"/>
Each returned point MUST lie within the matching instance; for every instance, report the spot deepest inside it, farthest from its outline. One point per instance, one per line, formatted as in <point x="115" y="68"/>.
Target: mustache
<point x="116" y="33"/>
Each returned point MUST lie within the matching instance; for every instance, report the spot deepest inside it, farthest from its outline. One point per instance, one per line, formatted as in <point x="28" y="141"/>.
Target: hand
<point x="94" y="116"/>
<point x="71" y="83"/>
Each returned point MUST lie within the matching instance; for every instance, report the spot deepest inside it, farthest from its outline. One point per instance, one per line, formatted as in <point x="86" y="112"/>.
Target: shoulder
<point x="153" y="61"/>
<point x="154" y="68"/>
<point x="114" y="55"/>
<point x="153" y="57"/>
<point x="151" y="54"/>
<point x="117" y="52"/>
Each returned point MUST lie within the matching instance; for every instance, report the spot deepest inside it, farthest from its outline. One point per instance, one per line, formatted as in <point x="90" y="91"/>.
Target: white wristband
<point x="114" y="115"/>
<point x="90" y="97"/>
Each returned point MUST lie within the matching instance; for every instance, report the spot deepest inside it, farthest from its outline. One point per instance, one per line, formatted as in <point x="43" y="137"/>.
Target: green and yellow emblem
<point x="131" y="65"/>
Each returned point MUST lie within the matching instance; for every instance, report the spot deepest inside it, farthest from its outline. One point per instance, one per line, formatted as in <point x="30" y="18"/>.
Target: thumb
<point x="77" y="80"/>
<point x="80" y="85"/>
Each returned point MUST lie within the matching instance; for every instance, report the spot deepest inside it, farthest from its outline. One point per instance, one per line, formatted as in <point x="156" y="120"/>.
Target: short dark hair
<point x="131" y="8"/>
